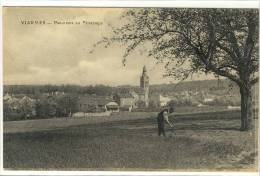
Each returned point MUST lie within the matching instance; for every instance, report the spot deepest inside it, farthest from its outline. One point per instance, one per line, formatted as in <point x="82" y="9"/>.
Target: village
<point x="61" y="104"/>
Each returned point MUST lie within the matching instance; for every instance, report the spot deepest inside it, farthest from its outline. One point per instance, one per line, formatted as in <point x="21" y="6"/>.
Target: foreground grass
<point x="208" y="141"/>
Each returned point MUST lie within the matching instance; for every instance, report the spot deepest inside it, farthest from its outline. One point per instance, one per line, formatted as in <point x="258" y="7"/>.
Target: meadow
<point x="204" y="141"/>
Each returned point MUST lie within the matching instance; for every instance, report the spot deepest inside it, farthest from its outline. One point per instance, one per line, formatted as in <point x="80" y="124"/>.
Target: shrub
<point x="46" y="107"/>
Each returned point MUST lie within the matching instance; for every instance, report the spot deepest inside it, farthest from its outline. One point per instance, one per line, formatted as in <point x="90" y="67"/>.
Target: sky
<point x="54" y="53"/>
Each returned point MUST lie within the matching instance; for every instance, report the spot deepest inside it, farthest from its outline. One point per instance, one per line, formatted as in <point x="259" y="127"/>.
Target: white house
<point x="112" y="106"/>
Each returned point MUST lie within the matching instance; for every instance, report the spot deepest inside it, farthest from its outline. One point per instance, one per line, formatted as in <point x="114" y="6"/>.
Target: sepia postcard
<point x="130" y="89"/>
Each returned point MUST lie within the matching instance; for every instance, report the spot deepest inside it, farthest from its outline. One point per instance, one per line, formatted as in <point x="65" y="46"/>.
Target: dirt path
<point x="59" y="123"/>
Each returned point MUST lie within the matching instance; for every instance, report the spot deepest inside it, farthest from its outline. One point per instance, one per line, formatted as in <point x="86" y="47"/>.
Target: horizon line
<point x="69" y="84"/>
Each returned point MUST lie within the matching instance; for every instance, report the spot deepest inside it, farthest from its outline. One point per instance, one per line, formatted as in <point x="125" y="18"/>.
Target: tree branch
<point x="227" y="50"/>
<point x="253" y="81"/>
<point x="232" y="38"/>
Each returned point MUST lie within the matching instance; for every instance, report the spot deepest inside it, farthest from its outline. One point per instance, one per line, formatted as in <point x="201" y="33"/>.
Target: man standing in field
<point x="163" y="116"/>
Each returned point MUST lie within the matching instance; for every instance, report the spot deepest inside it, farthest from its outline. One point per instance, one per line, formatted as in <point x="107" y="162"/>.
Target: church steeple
<point x="144" y="80"/>
<point x="144" y="85"/>
<point x="144" y="69"/>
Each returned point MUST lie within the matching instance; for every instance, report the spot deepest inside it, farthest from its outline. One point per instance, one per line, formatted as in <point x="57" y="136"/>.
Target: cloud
<point x="59" y="54"/>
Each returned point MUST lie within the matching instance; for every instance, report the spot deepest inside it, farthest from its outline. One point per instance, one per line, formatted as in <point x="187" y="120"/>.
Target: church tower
<point x="144" y="85"/>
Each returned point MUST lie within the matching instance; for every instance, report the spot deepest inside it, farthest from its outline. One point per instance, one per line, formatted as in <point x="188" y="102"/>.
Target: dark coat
<point x="160" y="117"/>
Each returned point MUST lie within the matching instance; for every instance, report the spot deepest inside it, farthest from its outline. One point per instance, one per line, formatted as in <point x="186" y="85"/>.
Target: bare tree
<point x="219" y="41"/>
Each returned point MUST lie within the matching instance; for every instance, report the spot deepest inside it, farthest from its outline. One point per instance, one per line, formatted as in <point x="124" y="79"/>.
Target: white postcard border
<point x="118" y="3"/>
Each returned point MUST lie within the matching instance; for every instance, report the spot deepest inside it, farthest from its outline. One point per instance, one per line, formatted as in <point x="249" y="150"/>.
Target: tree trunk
<point x="246" y="103"/>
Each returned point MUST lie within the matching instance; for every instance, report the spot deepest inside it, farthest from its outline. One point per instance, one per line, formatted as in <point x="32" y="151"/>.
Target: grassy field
<point x="129" y="141"/>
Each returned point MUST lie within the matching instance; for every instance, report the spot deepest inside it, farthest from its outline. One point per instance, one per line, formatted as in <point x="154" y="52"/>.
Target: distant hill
<point x="221" y="86"/>
<point x="209" y="86"/>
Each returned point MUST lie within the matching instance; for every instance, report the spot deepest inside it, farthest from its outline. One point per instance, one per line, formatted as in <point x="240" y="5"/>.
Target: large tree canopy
<point x="219" y="41"/>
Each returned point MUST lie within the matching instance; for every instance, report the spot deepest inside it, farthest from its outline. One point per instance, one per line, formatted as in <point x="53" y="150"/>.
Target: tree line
<point x="224" y="86"/>
<point x="101" y="90"/>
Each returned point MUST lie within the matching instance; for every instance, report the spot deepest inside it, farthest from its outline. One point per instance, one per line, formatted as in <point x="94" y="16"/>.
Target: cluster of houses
<point x="19" y="104"/>
<point x="127" y="100"/>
